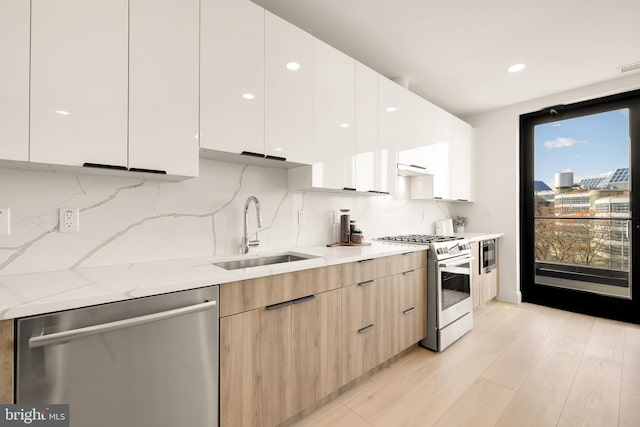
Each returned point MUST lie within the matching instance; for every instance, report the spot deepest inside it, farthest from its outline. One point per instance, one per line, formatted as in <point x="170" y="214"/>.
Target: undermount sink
<point x="262" y="261"/>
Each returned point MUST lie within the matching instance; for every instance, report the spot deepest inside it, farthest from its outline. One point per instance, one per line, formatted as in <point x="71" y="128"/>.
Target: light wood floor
<point x="521" y="365"/>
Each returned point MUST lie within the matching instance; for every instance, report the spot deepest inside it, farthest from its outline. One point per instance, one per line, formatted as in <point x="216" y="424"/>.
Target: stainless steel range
<point x="449" y="303"/>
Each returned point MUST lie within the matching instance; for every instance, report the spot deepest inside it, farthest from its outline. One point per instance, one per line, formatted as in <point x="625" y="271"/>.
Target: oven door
<point x="487" y="256"/>
<point x="454" y="290"/>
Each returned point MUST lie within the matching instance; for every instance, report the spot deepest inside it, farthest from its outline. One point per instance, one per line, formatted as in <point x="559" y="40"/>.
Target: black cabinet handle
<point x="279" y="305"/>
<point x="366" y="328"/>
<point x="437" y="198"/>
<point x="281" y="159"/>
<point x="384" y="192"/>
<point x="367" y="283"/>
<point x="103" y="166"/>
<point x="252" y="154"/>
<point x="157" y="171"/>
<point x="408" y="253"/>
<point x="366" y="260"/>
<point x="348" y="188"/>
<point x="406" y="273"/>
<point x="463" y="200"/>
<point x="409" y="310"/>
<point x="304" y="299"/>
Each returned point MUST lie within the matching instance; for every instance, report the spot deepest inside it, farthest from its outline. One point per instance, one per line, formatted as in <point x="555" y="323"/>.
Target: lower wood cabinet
<point x="484" y="285"/>
<point x="6" y="361"/>
<point x="277" y="360"/>
<point x="289" y="340"/>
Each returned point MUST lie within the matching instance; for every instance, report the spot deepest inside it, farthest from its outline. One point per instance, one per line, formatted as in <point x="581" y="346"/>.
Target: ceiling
<point x="455" y="52"/>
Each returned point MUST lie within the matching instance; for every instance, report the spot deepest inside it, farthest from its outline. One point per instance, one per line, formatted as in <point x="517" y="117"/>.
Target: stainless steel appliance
<point x="449" y="303"/>
<point x="138" y="363"/>
<point x="487" y="255"/>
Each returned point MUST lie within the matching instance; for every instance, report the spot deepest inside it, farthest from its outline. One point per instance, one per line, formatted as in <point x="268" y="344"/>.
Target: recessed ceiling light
<point x="392" y="109"/>
<point x="62" y="112"/>
<point x="344" y="125"/>
<point x="278" y="149"/>
<point x="293" y="66"/>
<point x="515" y="68"/>
<point x="248" y="96"/>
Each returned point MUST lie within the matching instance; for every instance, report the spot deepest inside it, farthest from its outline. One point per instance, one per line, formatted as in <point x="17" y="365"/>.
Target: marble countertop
<point x="476" y="237"/>
<point x="38" y="293"/>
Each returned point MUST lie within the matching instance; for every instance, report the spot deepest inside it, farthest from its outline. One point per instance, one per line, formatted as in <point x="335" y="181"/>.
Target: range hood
<point x="412" y="170"/>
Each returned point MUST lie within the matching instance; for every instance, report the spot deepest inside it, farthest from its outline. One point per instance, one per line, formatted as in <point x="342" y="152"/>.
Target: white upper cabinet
<point x="333" y="117"/>
<point x="14" y="80"/>
<point x="388" y="131"/>
<point x="366" y="123"/>
<point x="232" y="76"/>
<point x="79" y="82"/>
<point x="288" y="90"/>
<point x="462" y="165"/>
<point x="163" y="86"/>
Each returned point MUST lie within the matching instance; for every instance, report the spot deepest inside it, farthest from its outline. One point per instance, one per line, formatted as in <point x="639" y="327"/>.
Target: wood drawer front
<point x="407" y="261"/>
<point x="362" y="351"/>
<point x="408" y="328"/>
<point x="238" y="297"/>
<point x="6" y="361"/>
<point x="361" y="271"/>
<point x="405" y="290"/>
<point x="362" y="304"/>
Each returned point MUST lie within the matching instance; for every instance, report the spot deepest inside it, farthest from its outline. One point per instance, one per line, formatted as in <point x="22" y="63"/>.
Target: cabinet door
<point x="462" y="166"/>
<point x="79" y="82"/>
<point x="163" y="86"/>
<point x="288" y="90"/>
<point x="388" y="121"/>
<point x="6" y="361"/>
<point x="255" y="361"/>
<point x="316" y="348"/>
<point x="366" y="128"/>
<point x="232" y="76"/>
<point x="14" y="80"/>
<point x="333" y="117"/>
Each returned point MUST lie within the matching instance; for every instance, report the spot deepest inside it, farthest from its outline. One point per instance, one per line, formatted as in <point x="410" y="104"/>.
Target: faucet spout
<point x="246" y="243"/>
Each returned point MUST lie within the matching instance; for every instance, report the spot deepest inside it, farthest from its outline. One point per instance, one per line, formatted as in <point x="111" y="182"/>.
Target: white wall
<point x="497" y="185"/>
<point x="124" y="220"/>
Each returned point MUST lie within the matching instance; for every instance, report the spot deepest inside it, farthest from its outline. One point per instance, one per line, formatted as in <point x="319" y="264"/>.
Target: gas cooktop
<point x="419" y="239"/>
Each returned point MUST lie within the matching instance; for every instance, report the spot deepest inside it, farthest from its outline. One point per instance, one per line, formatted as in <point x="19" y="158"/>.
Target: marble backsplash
<point x="125" y="220"/>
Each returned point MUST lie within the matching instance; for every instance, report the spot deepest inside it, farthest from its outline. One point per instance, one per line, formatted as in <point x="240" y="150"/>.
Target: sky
<point x="589" y="146"/>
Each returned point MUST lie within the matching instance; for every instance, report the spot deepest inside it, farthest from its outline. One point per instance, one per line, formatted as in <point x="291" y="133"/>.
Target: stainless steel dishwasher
<point x="138" y="363"/>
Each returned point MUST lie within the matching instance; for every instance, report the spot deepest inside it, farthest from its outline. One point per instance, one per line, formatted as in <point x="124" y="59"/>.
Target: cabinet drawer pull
<point x="278" y="158"/>
<point x="406" y="273"/>
<point x="409" y="253"/>
<point x="365" y="329"/>
<point x="367" y="283"/>
<point x="102" y="166"/>
<point x="409" y="310"/>
<point x="279" y="305"/>
<point x="304" y="299"/>
<point x="159" y="172"/>
<point x="366" y="260"/>
<point x="252" y="154"/>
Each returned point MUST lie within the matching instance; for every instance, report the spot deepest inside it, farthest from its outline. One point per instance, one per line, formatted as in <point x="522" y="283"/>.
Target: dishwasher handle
<point x="65" y="336"/>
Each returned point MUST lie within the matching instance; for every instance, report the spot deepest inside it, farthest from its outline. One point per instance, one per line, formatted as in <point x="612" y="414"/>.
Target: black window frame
<point x="627" y="310"/>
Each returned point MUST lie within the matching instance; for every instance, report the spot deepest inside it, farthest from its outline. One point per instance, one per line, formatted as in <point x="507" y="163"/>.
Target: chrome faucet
<point x="246" y="243"/>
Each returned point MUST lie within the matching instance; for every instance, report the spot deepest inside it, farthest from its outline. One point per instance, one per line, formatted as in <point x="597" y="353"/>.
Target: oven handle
<point x="457" y="261"/>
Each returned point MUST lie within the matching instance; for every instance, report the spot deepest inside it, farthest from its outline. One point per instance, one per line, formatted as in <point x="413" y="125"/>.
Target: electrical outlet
<point x="69" y="220"/>
<point x="300" y="217"/>
<point x="5" y="221"/>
